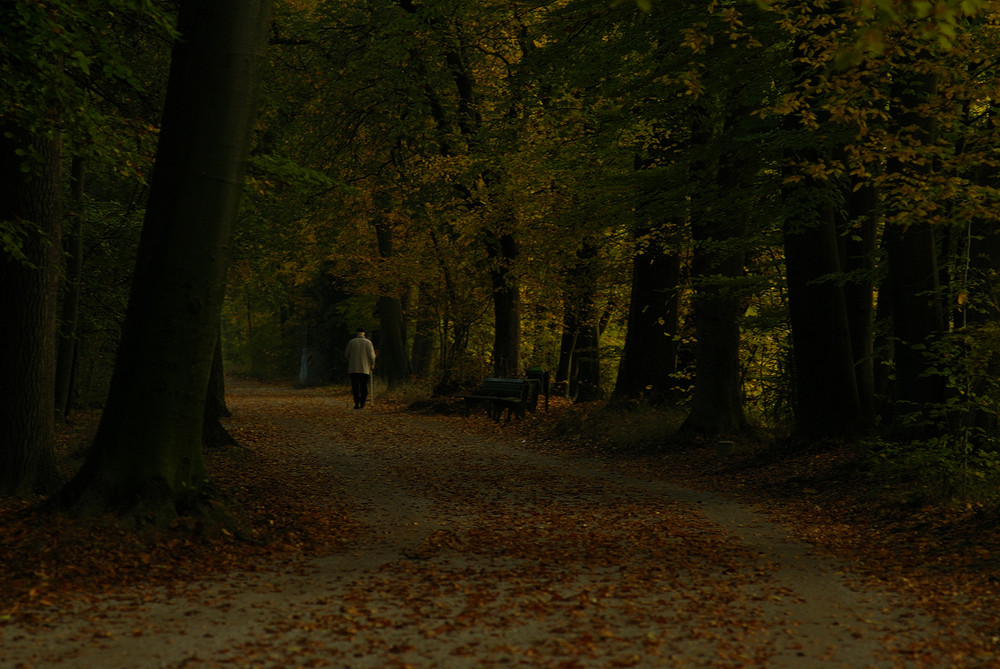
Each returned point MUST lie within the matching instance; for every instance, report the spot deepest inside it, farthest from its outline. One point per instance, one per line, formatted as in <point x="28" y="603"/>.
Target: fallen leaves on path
<point x="512" y="562"/>
<point x="945" y="559"/>
<point x="283" y="503"/>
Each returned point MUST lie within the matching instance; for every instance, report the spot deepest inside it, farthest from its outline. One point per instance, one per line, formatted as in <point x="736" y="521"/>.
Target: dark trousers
<point x="359" y="386"/>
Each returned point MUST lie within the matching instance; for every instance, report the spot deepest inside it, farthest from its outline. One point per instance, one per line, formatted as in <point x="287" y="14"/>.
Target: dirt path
<point x="479" y="553"/>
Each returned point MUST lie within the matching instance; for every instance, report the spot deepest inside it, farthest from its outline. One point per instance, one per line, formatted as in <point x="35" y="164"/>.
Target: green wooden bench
<point x="515" y="396"/>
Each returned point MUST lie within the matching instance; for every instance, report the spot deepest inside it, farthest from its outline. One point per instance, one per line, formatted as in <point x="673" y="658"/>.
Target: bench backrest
<point x="504" y="387"/>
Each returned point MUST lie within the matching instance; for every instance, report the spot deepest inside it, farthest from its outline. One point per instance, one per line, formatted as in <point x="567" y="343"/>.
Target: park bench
<point x="515" y="396"/>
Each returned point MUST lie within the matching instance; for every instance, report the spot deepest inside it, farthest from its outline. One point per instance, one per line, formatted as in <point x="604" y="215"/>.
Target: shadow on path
<point x="481" y="553"/>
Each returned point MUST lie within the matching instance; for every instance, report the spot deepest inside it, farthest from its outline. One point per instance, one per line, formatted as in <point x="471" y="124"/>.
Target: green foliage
<point x="765" y="363"/>
<point x="956" y="450"/>
<point x="12" y="238"/>
<point x="112" y="230"/>
<point x="53" y="56"/>
<point x="935" y="470"/>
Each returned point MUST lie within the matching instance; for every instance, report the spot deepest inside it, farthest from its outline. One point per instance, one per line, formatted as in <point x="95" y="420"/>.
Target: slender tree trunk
<point x="146" y="461"/>
<point x="214" y="434"/>
<point x="30" y="206"/>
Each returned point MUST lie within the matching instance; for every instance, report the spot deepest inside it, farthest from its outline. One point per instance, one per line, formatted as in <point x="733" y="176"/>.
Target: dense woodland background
<point x="768" y="217"/>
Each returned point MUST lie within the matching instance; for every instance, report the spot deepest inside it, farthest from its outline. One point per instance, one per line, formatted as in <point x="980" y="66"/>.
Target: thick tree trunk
<point x="911" y="251"/>
<point x="649" y="358"/>
<point x="717" y="401"/>
<point x="146" y="460"/>
<point x="857" y="235"/>
<point x="567" y="343"/>
<point x="588" y="359"/>
<point x="579" y="354"/>
<point x="826" y="395"/>
<point x="503" y="251"/>
<point x="30" y="206"/>
<point x="393" y="362"/>
<point x="917" y="314"/>
<point x="424" y="337"/>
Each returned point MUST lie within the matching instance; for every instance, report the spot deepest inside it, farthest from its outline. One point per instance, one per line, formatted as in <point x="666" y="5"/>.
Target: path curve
<point x="479" y="552"/>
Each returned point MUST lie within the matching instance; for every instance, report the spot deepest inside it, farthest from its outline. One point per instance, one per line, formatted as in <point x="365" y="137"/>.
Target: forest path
<point x="475" y="551"/>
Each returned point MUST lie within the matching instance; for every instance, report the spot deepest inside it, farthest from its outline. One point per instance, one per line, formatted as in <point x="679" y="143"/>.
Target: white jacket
<point x="360" y="354"/>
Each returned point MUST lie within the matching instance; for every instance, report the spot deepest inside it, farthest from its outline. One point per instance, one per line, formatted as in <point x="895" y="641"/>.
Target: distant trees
<point x="31" y="211"/>
<point x="584" y="184"/>
<point x="638" y="184"/>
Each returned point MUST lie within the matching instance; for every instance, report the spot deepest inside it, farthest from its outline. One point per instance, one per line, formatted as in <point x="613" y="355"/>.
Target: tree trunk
<point x="717" y="401"/>
<point x="649" y="358"/>
<point x="911" y="251"/>
<point x="857" y="235"/>
<point x="66" y="349"/>
<point x="503" y="251"/>
<point x="579" y="354"/>
<point x="214" y="435"/>
<point x="588" y="357"/>
<point x="567" y="342"/>
<point x="424" y="337"/>
<point x="393" y="363"/>
<point x="146" y="461"/>
<point x="30" y="207"/>
<point x="826" y="395"/>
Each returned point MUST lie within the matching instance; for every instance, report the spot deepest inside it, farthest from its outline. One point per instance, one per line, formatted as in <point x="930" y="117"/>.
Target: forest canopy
<point x="773" y="216"/>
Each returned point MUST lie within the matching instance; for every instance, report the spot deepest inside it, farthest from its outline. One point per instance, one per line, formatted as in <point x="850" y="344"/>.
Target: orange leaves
<point x="469" y="543"/>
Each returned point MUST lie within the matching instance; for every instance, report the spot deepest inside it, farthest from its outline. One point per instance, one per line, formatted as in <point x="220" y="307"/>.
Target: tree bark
<point x="394" y="363"/>
<point x="503" y="251"/>
<point x="146" y="461"/>
<point x="857" y="254"/>
<point x="30" y="206"/>
<point x="579" y="354"/>
<point x="214" y="434"/>
<point x="424" y="336"/>
<point x="826" y="395"/>
<point x="717" y="401"/>
<point x="649" y="358"/>
<point x="911" y="251"/>
<point x="66" y="348"/>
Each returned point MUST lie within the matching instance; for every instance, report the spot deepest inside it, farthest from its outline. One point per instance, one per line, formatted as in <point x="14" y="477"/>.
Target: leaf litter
<point x="383" y="538"/>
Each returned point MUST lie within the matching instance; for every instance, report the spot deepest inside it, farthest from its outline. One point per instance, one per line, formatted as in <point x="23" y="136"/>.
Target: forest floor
<point x="391" y="538"/>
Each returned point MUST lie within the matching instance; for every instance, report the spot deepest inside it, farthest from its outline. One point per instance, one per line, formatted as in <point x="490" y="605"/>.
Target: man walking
<point x="360" y="356"/>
